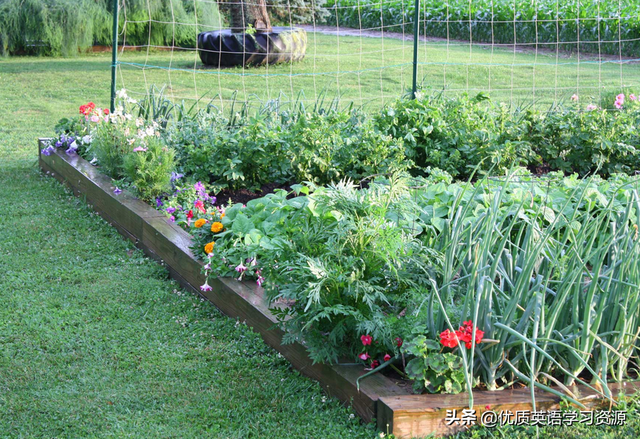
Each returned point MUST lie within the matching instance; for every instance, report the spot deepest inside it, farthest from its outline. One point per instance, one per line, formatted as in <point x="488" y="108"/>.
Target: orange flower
<point x="217" y="227"/>
<point x="200" y="222"/>
<point x="209" y="247"/>
<point x="223" y="214"/>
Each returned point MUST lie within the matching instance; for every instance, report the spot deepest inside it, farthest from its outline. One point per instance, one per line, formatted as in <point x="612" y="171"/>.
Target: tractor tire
<point x="224" y="48"/>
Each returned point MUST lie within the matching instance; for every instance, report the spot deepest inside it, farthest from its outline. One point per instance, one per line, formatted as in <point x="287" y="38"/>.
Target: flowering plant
<point x="433" y="370"/>
<point x="374" y="353"/>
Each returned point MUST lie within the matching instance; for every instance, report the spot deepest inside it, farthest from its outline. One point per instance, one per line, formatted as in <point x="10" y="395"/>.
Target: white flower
<point x="122" y="93"/>
<point x="86" y="139"/>
<point x="149" y="131"/>
<point x="73" y="145"/>
<point x="139" y="122"/>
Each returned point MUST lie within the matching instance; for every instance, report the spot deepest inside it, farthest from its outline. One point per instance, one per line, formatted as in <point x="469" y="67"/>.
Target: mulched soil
<point x="244" y="195"/>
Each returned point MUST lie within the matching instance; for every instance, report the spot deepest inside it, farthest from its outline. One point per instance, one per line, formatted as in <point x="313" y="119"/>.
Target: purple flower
<point x="63" y="138"/>
<point x="199" y="187"/>
<point x="117" y="191"/>
<point x="72" y="149"/>
<point x="260" y="281"/>
<point x="172" y="219"/>
<point x="207" y="266"/>
<point x="171" y="210"/>
<point x="206" y="287"/>
<point x="48" y="150"/>
<point x="175" y="176"/>
<point x="70" y="140"/>
<point x="159" y="202"/>
<point x="58" y="144"/>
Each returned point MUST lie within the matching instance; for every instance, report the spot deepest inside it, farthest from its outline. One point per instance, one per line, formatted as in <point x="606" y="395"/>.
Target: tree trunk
<point x="243" y="14"/>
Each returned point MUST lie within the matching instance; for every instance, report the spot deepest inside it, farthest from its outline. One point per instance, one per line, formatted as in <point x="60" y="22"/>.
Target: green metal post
<point x="114" y="55"/>
<point x="416" y="17"/>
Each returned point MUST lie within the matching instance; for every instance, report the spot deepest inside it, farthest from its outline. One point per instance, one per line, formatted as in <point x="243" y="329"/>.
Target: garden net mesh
<point x="533" y="52"/>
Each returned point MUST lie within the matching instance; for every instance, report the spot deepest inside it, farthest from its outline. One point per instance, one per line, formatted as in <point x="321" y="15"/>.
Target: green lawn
<point x="95" y="341"/>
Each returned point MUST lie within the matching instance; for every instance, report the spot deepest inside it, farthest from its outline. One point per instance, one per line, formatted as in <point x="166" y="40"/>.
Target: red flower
<point x="200" y="206"/>
<point x="106" y="111"/>
<point x="399" y="341"/>
<point x="364" y="356"/>
<point x="366" y="339"/>
<point x="465" y="333"/>
<point x="387" y="357"/>
<point x="91" y="105"/>
<point x="82" y="109"/>
<point x="449" y="339"/>
<point x="190" y="214"/>
<point x="374" y="364"/>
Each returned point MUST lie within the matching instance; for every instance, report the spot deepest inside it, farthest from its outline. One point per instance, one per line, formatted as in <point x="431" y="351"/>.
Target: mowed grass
<point x="95" y="341"/>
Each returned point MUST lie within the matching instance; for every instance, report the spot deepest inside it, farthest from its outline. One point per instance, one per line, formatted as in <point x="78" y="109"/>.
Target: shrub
<point x="150" y="170"/>
<point x="62" y="27"/>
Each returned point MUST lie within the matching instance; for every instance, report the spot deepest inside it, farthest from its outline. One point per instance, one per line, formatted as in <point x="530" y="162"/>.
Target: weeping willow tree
<point x="64" y="27"/>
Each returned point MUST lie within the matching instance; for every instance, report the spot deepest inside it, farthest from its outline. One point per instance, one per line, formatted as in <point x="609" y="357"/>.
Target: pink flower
<point x="487" y="407"/>
<point x="366" y="340"/>
<point x="139" y="149"/>
<point x="592" y="107"/>
<point x="399" y="342"/>
<point x="574" y="98"/>
<point x="387" y="357"/>
<point x="95" y="118"/>
<point x="632" y="97"/>
<point x="241" y="268"/>
<point x="364" y="356"/>
<point x="617" y="104"/>
<point x="620" y="97"/>
<point x="260" y="281"/>
<point x="206" y="287"/>
<point x="374" y="364"/>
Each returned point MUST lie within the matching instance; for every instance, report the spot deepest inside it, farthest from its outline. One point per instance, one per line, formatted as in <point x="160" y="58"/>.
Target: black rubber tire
<point x="224" y="48"/>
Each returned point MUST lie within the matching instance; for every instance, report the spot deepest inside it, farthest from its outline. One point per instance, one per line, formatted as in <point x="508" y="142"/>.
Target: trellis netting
<point x="522" y="52"/>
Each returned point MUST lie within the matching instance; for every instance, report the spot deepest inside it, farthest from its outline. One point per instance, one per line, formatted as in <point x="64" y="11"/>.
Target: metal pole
<point x="416" y="16"/>
<point x="114" y="55"/>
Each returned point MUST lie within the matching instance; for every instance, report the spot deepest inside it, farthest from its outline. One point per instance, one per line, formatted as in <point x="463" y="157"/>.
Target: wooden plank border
<point x="164" y="241"/>
<point x="395" y="409"/>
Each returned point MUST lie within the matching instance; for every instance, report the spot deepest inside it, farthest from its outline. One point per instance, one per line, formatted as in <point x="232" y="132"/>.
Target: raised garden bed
<point x="395" y="409"/>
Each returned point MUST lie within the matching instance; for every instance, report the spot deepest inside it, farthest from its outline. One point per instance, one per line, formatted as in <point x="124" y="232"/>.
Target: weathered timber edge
<point x="395" y="409"/>
<point x="164" y="241"/>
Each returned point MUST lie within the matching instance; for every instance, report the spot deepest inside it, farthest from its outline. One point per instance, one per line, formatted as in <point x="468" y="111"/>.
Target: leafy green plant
<point x="435" y="371"/>
<point x="458" y="135"/>
<point x="149" y="168"/>
<point x="109" y="145"/>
